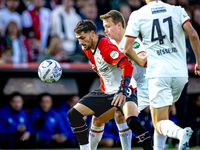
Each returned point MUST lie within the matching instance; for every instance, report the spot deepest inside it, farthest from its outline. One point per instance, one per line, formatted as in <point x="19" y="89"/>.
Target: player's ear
<point x="119" y="25"/>
<point x="92" y="34"/>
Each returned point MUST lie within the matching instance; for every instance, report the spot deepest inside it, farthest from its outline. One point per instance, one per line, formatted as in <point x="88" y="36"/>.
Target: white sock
<point x="95" y="136"/>
<point x="125" y="135"/>
<point x="85" y="147"/>
<point x="159" y="141"/>
<point x="169" y="129"/>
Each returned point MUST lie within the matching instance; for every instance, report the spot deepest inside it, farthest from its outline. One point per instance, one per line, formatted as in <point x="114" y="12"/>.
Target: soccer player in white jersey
<point x="162" y="29"/>
<point x="115" y="73"/>
<point x="114" y="26"/>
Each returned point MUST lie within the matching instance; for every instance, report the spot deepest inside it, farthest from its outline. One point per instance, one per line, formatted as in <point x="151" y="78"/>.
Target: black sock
<point x="141" y="133"/>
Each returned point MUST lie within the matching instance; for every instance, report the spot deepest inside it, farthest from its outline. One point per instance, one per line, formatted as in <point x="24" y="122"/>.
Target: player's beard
<point x="89" y="47"/>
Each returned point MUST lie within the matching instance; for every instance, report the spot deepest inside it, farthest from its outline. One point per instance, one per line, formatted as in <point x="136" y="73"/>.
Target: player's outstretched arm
<point x="131" y="54"/>
<point x="194" y="40"/>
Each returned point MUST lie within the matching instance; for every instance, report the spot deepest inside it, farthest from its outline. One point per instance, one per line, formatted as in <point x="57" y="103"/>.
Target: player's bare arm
<point x="194" y="40"/>
<point x="131" y="54"/>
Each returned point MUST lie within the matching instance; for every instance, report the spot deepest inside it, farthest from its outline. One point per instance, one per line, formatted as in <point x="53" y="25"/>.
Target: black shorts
<point x="100" y="102"/>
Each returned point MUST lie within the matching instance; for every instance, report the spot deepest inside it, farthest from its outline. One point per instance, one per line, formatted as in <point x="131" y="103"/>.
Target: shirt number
<point x="160" y="37"/>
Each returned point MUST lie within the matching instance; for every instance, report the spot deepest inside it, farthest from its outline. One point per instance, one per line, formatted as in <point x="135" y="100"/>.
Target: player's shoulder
<point x="103" y="41"/>
<point x="105" y="44"/>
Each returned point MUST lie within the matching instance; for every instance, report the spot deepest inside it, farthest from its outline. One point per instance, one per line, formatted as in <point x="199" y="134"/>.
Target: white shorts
<point x="143" y="96"/>
<point x="164" y="91"/>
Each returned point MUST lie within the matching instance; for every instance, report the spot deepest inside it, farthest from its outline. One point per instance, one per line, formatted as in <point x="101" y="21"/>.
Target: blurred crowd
<point x="34" y="30"/>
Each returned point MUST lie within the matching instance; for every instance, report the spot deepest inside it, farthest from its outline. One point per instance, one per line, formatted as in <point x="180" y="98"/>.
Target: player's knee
<point x="119" y="118"/>
<point x="74" y="115"/>
<point x="132" y="121"/>
<point x="97" y="122"/>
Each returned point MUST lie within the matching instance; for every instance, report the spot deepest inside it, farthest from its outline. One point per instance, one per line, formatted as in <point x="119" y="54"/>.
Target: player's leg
<point x="130" y="111"/>
<point x="97" y="127"/>
<point x="78" y="125"/>
<point x="125" y="133"/>
<point x="95" y="103"/>
<point x="162" y="97"/>
<point x="143" y="101"/>
<point x="143" y="136"/>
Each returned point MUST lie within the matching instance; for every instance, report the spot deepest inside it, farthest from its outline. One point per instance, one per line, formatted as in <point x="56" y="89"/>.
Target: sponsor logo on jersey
<point x="103" y="69"/>
<point x="157" y="10"/>
<point x="114" y="54"/>
<point x="98" y="60"/>
<point x="136" y="45"/>
<point x="167" y="51"/>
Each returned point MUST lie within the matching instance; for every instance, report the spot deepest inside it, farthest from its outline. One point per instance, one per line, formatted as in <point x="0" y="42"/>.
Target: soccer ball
<point x="49" y="71"/>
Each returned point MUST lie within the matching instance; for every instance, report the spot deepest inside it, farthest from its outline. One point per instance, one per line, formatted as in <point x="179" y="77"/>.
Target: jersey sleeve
<point x="183" y="16"/>
<point x="111" y="54"/>
<point x="138" y="46"/>
<point x="132" y="29"/>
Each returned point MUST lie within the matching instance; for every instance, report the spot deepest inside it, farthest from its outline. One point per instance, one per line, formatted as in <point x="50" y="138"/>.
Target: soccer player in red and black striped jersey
<point x="115" y="73"/>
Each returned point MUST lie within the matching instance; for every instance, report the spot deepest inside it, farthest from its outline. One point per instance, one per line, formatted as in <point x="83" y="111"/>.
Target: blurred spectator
<point x="51" y="4"/>
<point x="6" y="56"/>
<point x="35" y="48"/>
<point x="47" y="124"/>
<point x="135" y="4"/>
<point x="196" y="20"/>
<point x="15" y="128"/>
<point x="145" y="119"/>
<point x="183" y="3"/>
<point x="54" y="51"/>
<point x="17" y="42"/>
<point x="28" y="4"/>
<point x="110" y="135"/>
<point x="171" y="2"/>
<point x="64" y="20"/>
<point x="79" y="5"/>
<point x="91" y="13"/>
<point x="125" y="9"/>
<point x="193" y="115"/>
<point x="36" y="22"/>
<point x="9" y="14"/>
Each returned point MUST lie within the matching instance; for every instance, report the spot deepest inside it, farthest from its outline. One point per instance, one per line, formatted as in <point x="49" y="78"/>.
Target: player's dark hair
<point x="42" y="95"/>
<point x="116" y="17"/>
<point x="85" y="26"/>
<point x="13" y="95"/>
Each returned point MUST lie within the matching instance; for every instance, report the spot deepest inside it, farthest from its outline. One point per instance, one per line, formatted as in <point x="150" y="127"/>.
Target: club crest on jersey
<point x="98" y="60"/>
<point x="136" y="45"/>
<point x="114" y="54"/>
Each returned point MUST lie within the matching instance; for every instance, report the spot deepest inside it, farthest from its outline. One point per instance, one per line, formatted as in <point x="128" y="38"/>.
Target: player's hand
<point x="25" y="136"/>
<point x="94" y="68"/>
<point x="59" y="138"/>
<point x="197" y="69"/>
<point x="119" y="99"/>
<point x="21" y="128"/>
<point x="143" y="61"/>
<point x="143" y="56"/>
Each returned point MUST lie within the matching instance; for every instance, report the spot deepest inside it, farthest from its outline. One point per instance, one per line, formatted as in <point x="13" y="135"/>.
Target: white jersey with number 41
<point x="160" y="25"/>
